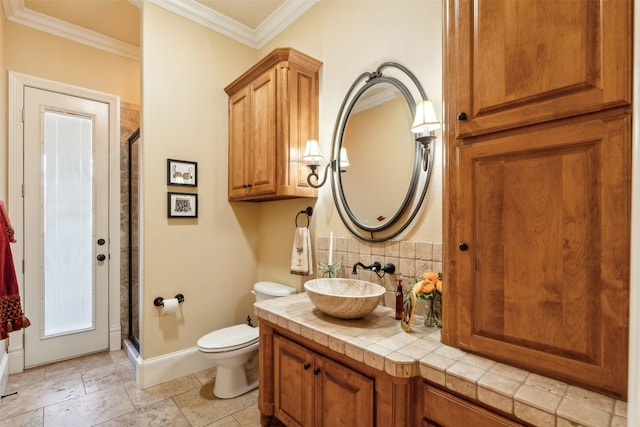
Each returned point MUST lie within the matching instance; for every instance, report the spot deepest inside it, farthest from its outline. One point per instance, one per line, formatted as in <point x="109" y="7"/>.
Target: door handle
<point x="101" y="257"/>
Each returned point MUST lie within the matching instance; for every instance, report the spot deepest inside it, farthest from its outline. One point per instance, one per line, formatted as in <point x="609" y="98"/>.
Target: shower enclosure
<point x="133" y="234"/>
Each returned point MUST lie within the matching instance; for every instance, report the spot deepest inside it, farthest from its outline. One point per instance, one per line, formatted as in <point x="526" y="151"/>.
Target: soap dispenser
<point x="399" y="300"/>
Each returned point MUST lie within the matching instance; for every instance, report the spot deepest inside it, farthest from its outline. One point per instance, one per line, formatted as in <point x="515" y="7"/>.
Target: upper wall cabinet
<point x="273" y="111"/>
<point x="570" y="58"/>
<point x="538" y="186"/>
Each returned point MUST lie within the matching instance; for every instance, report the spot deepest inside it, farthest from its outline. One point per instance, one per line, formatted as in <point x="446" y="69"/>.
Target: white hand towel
<point x="301" y="258"/>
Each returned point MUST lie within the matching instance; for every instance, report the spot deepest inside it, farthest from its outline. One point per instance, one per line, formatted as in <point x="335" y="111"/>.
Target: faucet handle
<point x="389" y="268"/>
<point x="376" y="266"/>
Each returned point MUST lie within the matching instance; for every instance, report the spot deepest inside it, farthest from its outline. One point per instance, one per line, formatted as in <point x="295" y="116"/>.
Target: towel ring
<point x="308" y="212"/>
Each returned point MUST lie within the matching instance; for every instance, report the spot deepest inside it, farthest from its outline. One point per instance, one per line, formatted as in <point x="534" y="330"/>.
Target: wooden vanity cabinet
<point x="442" y="409"/>
<point x="273" y="111"/>
<point x="538" y="186"/>
<point x="306" y="384"/>
<point x="312" y="390"/>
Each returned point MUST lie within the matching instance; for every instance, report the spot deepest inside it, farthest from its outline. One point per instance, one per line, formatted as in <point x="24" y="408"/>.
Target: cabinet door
<point x="239" y="133"/>
<point x="441" y="409"/>
<point x="252" y="139"/>
<point x="524" y="62"/>
<point x="293" y="383"/>
<point x="544" y="277"/>
<point x="262" y="151"/>
<point x="343" y="397"/>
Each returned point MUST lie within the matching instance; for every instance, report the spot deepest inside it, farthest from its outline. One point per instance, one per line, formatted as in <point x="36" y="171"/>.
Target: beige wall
<point x="212" y="260"/>
<point x="351" y="37"/>
<point x="43" y="55"/>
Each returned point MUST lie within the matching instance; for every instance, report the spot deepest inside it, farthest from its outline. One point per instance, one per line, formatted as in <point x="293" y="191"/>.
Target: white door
<point x="66" y="226"/>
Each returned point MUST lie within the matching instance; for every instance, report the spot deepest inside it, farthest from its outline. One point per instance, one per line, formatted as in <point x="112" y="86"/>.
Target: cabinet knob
<point x="306" y="366"/>
<point x="101" y="257"/>
<point x="462" y="116"/>
<point x="247" y="185"/>
<point x="316" y="371"/>
<point x="463" y="246"/>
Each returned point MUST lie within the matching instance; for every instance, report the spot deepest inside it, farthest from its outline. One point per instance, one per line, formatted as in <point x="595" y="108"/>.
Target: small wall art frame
<point x="182" y="172"/>
<point x="182" y="205"/>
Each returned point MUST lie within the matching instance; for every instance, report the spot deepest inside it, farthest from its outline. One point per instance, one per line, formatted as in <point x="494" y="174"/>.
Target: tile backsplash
<point x="411" y="258"/>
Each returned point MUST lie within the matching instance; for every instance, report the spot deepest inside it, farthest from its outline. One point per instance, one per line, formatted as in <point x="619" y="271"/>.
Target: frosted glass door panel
<point x="68" y="224"/>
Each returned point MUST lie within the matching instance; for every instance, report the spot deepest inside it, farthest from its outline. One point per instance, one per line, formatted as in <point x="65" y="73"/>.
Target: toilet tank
<point x="268" y="290"/>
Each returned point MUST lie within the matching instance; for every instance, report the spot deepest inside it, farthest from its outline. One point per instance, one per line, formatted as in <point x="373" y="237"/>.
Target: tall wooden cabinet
<point x="273" y="111"/>
<point x="537" y="188"/>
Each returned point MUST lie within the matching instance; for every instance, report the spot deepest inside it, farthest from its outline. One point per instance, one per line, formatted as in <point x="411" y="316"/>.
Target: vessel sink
<point x="344" y="298"/>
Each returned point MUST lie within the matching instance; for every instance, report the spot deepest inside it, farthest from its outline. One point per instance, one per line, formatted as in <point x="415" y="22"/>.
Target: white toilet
<point x="235" y="348"/>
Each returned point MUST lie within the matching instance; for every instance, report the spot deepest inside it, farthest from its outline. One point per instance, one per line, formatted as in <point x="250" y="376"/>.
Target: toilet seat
<point x="228" y="339"/>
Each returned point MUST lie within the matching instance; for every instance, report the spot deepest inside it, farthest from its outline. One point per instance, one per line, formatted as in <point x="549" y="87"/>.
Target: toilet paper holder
<point x="159" y="301"/>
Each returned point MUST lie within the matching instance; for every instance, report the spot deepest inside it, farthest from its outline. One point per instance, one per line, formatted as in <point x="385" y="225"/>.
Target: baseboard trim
<point x="4" y="370"/>
<point x="167" y="367"/>
<point x="115" y="339"/>
<point x="16" y="360"/>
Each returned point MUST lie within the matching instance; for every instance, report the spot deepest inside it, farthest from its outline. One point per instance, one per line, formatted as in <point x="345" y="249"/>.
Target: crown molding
<point x="18" y="13"/>
<point x="272" y="26"/>
<point x="280" y="19"/>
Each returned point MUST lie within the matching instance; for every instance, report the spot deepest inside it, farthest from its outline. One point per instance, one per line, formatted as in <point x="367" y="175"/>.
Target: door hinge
<point x="23" y="191"/>
<point x="23" y="115"/>
<point x="22" y="266"/>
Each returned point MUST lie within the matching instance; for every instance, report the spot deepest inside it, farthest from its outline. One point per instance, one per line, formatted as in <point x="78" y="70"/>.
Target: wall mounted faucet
<point x="375" y="267"/>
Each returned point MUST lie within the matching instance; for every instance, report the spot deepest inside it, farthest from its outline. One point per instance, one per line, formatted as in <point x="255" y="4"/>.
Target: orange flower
<point x="431" y="282"/>
<point x="427" y="287"/>
<point x="417" y="288"/>
<point x="430" y="277"/>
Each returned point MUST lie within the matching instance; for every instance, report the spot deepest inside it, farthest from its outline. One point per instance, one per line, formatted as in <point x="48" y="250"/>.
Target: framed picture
<point x="182" y="205"/>
<point x="181" y="172"/>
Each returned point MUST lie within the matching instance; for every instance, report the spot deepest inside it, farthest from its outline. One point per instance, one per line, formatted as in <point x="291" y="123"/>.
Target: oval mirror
<point x="380" y="191"/>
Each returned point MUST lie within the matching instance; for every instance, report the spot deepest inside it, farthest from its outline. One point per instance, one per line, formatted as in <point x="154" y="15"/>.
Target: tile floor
<point x="100" y="390"/>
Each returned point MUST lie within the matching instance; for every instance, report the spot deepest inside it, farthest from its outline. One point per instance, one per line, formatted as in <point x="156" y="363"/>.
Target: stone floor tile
<point x="41" y="394"/>
<point x="103" y="377"/>
<point x="33" y="418"/>
<point x="90" y="409"/>
<point x="143" y="397"/>
<point x="160" y="414"/>
<point x="202" y="408"/>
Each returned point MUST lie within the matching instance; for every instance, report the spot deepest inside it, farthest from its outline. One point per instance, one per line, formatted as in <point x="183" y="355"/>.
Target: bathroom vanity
<point x="316" y="370"/>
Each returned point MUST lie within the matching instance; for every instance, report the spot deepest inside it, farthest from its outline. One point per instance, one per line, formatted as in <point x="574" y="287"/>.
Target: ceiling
<point x="114" y="25"/>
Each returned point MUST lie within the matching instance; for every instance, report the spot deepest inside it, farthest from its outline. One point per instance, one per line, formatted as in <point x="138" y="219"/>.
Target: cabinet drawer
<point x="441" y="409"/>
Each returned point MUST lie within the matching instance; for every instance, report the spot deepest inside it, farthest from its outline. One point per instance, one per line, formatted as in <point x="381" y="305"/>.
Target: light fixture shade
<point x="425" y="120"/>
<point x="312" y="152"/>
<point x="344" y="160"/>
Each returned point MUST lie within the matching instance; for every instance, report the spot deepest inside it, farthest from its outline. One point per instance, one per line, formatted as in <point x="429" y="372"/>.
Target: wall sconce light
<point x="425" y="122"/>
<point x="313" y="157"/>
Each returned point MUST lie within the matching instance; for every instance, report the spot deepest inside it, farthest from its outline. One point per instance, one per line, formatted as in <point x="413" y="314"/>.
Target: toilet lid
<point x="274" y="289"/>
<point x="228" y="339"/>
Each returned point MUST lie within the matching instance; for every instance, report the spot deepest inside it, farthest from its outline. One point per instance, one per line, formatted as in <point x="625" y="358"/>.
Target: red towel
<point x="11" y="316"/>
<point x="7" y="223"/>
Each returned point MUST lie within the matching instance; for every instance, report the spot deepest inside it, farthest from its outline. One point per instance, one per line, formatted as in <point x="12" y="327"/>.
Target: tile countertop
<point x="377" y="340"/>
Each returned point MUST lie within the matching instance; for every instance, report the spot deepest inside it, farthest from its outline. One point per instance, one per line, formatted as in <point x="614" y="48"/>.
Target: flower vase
<point x="433" y="312"/>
